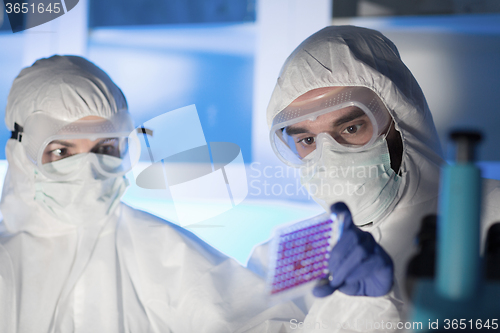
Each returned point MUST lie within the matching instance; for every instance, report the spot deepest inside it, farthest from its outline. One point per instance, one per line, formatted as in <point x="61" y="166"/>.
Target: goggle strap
<point x="16" y="134"/>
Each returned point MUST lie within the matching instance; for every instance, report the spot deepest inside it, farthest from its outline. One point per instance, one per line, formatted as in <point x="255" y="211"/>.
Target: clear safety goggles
<point x="352" y="118"/>
<point x="110" y="145"/>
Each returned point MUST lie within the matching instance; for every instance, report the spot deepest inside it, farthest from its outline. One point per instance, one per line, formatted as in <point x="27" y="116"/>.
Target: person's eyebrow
<point x="106" y="140"/>
<point x="63" y="143"/>
<point x="354" y="114"/>
<point x="103" y="141"/>
<point x="295" y="130"/>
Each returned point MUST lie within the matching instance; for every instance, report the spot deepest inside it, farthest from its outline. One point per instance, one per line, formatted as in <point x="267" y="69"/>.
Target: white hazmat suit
<point x="105" y="270"/>
<point x="352" y="56"/>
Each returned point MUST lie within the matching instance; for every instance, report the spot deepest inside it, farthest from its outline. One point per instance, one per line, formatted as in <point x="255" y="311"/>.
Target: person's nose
<point x="85" y="147"/>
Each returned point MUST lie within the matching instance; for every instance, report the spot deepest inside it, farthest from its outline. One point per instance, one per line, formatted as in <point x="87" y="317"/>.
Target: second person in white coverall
<point x="344" y="99"/>
<point x="73" y="258"/>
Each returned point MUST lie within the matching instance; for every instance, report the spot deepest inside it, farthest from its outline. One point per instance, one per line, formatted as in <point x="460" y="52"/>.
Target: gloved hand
<point x="358" y="265"/>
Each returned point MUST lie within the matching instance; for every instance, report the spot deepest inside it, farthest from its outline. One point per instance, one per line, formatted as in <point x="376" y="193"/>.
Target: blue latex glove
<point x="358" y="265"/>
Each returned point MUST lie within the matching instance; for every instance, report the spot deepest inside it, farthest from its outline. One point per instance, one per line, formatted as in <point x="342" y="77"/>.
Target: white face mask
<point x="88" y="197"/>
<point x="364" y="180"/>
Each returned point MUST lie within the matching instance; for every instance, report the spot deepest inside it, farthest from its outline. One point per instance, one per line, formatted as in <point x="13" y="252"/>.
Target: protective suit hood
<point x="354" y="56"/>
<point x="63" y="87"/>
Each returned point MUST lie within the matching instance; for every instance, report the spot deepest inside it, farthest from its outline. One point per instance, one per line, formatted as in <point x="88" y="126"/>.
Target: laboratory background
<point x="224" y="56"/>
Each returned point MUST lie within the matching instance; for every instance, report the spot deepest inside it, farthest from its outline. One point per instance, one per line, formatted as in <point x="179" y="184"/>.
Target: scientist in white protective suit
<point x="73" y="258"/>
<point x="351" y="116"/>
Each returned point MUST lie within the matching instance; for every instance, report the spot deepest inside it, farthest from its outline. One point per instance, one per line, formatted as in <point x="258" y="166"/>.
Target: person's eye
<point x="59" y="152"/>
<point x="307" y="141"/>
<point x="106" y="150"/>
<point x="353" y="129"/>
